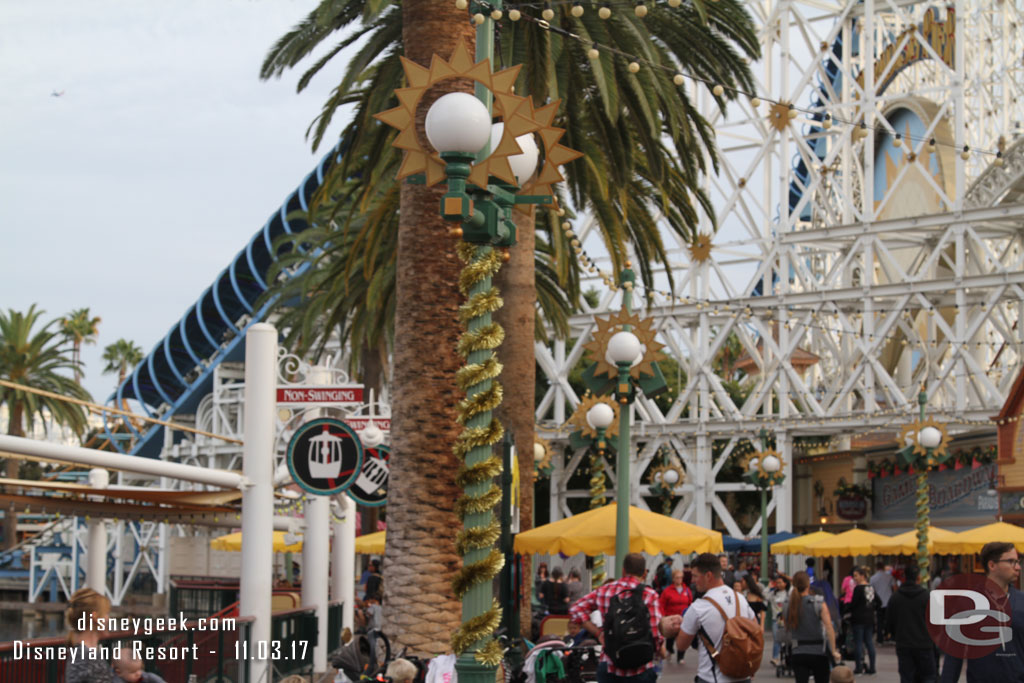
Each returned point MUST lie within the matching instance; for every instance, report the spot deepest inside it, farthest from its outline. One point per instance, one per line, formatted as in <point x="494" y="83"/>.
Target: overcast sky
<point x="163" y="156"/>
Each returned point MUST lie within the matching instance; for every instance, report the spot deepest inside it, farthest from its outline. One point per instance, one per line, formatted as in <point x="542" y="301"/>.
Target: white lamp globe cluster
<point x="371" y="436"/>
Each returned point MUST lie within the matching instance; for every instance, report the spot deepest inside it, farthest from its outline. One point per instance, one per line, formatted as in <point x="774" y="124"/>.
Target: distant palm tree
<point x="120" y="357"/>
<point x="80" y="328"/>
<point x="35" y="357"/>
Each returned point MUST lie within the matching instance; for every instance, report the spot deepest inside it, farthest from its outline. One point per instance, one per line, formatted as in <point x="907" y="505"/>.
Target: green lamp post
<point x="600" y="417"/>
<point x="764" y="470"/>
<point x="924" y="448"/>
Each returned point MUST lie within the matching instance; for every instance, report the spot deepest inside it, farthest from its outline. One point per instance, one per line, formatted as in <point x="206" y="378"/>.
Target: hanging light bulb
<point x="755" y="102"/>
<point x="478" y="18"/>
<point x="633" y="67"/>
<point x="717" y="90"/>
<point x="674" y="3"/>
<point x="577" y="10"/>
<point x="931" y="145"/>
<point x="514" y="14"/>
<point x="678" y="79"/>
<point x="593" y="53"/>
<point x="496" y="15"/>
<point x="640" y="10"/>
<point x="548" y="14"/>
<point x="999" y="159"/>
<point x="966" y="154"/>
<point x="605" y="11"/>
<point x="827" y="123"/>
<point x="792" y="112"/>
<point x="461" y="4"/>
<point x="898" y="141"/>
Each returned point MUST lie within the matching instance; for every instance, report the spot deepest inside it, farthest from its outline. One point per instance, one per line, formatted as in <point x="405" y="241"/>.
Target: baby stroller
<point x="364" y="657"/>
<point x="784" y="668"/>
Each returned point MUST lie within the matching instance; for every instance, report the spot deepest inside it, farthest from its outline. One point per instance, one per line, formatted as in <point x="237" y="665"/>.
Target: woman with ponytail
<point x="810" y="630"/>
<point x="89" y="663"/>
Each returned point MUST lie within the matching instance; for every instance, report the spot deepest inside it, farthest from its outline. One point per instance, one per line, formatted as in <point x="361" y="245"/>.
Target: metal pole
<point x="316" y="544"/>
<point x="258" y="498"/>
<point x="622" y="474"/>
<point x="96" y="572"/>
<point x="922" y="502"/>
<point x="622" y="488"/>
<point x="345" y="561"/>
<point x="764" y="535"/>
<point x="116" y="461"/>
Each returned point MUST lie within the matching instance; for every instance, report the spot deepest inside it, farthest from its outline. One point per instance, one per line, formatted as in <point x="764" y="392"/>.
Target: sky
<point x="165" y="153"/>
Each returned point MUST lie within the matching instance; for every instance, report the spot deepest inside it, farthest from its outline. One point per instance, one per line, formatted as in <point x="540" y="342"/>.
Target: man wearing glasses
<point x="1006" y="663"/>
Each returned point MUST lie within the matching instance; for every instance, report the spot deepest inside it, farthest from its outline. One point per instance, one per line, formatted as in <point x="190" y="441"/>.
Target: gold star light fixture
<point x="579" y="417"/>
<point x="517" y="113"/>
<point x="643" y="328"/>
<point x="700" y="248"/>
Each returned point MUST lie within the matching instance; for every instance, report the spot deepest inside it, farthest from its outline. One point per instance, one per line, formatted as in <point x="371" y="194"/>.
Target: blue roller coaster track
<point x="178" y="372"/>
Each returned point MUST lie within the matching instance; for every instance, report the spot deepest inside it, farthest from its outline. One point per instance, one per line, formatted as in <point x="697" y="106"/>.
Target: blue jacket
<point x="1005" y="666"/>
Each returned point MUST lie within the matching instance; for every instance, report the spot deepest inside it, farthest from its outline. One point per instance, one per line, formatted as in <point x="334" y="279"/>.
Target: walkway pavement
<point x="685" y="672"/>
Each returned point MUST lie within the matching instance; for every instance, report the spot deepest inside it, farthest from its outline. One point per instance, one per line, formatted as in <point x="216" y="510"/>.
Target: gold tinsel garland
<point x="481" y="264"/>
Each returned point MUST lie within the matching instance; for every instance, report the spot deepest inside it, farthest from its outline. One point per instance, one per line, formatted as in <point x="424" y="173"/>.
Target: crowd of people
<point x="813" y="630"/>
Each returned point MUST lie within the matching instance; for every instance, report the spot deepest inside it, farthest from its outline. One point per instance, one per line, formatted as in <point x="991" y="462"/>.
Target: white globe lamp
<point x="772" y="464"/>
<point x="929" y="437"/>
<point x="624" y="347"/>
<point x="600" y="416"/>
<point x="670" y="477"/>
<point x="458" y="122"/>
<point x="752" y="466"/>
<point x="538" y="452"/>
<point x="523" y="164"/>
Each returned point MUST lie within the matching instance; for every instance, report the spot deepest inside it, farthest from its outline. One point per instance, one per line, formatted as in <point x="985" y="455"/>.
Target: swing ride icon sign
<point x="325" y="456"/>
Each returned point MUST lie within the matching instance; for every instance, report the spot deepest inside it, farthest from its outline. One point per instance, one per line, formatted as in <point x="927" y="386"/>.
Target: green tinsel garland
<point x="597" y="500"/>
<point x="923" y="521"/>
<point x="478" y="631"/>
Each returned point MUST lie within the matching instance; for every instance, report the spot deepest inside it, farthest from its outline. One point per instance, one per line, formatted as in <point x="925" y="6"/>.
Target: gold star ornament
<point x="518" y="114"/>
<point x="700" y="248"/>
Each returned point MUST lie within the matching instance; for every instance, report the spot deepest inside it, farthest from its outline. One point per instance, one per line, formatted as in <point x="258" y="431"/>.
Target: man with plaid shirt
<point x="633" y="569"/>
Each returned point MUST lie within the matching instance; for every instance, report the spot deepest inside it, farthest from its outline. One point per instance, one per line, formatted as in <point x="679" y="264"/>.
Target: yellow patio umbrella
<point x="795" y="546"/>
<point x="370" y="544"/>
<point x="971" y="541"/>
<point x="847" y="544"/>
<point x="593" y="533"/>
<point x="906" y="544"/>
<point x="233" y="543"/>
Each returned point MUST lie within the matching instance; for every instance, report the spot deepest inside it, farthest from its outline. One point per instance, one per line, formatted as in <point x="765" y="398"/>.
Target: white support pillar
<point x="316" y="542"/>
<point x="96" y="567"/>
<point x="258" y="496"/>
<point x="344" y="561"/>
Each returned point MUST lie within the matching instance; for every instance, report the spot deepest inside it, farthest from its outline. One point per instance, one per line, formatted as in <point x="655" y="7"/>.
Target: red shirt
<point x="675" y="600"/>
<point x="600" y="599"/>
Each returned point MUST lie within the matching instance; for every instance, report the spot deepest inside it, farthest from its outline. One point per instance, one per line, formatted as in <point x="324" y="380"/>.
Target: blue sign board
<point x="953" y="494"/>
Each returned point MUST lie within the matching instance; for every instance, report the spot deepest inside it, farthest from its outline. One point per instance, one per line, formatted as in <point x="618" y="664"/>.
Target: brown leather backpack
<point x="739" y="654"/>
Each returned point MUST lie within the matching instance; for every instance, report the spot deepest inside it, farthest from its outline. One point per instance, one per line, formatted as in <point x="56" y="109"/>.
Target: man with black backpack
<point x="630" y="618"/>
<point x="731" y="639"/>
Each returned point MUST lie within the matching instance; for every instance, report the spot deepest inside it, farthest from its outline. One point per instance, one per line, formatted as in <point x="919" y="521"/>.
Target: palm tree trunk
<point x="517" y="284"/>
<point x="14" y="428"/>
<point x="420" y="607"/>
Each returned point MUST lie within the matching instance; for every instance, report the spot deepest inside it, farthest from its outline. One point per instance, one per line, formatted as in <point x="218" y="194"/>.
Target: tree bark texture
<point x="516" y="282"/>
<point x="420" y="609"/>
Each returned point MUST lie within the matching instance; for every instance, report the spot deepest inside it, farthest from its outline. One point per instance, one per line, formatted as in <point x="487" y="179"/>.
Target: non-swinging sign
<point x="325" y="395"/>
<point x="325" y="456"/>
